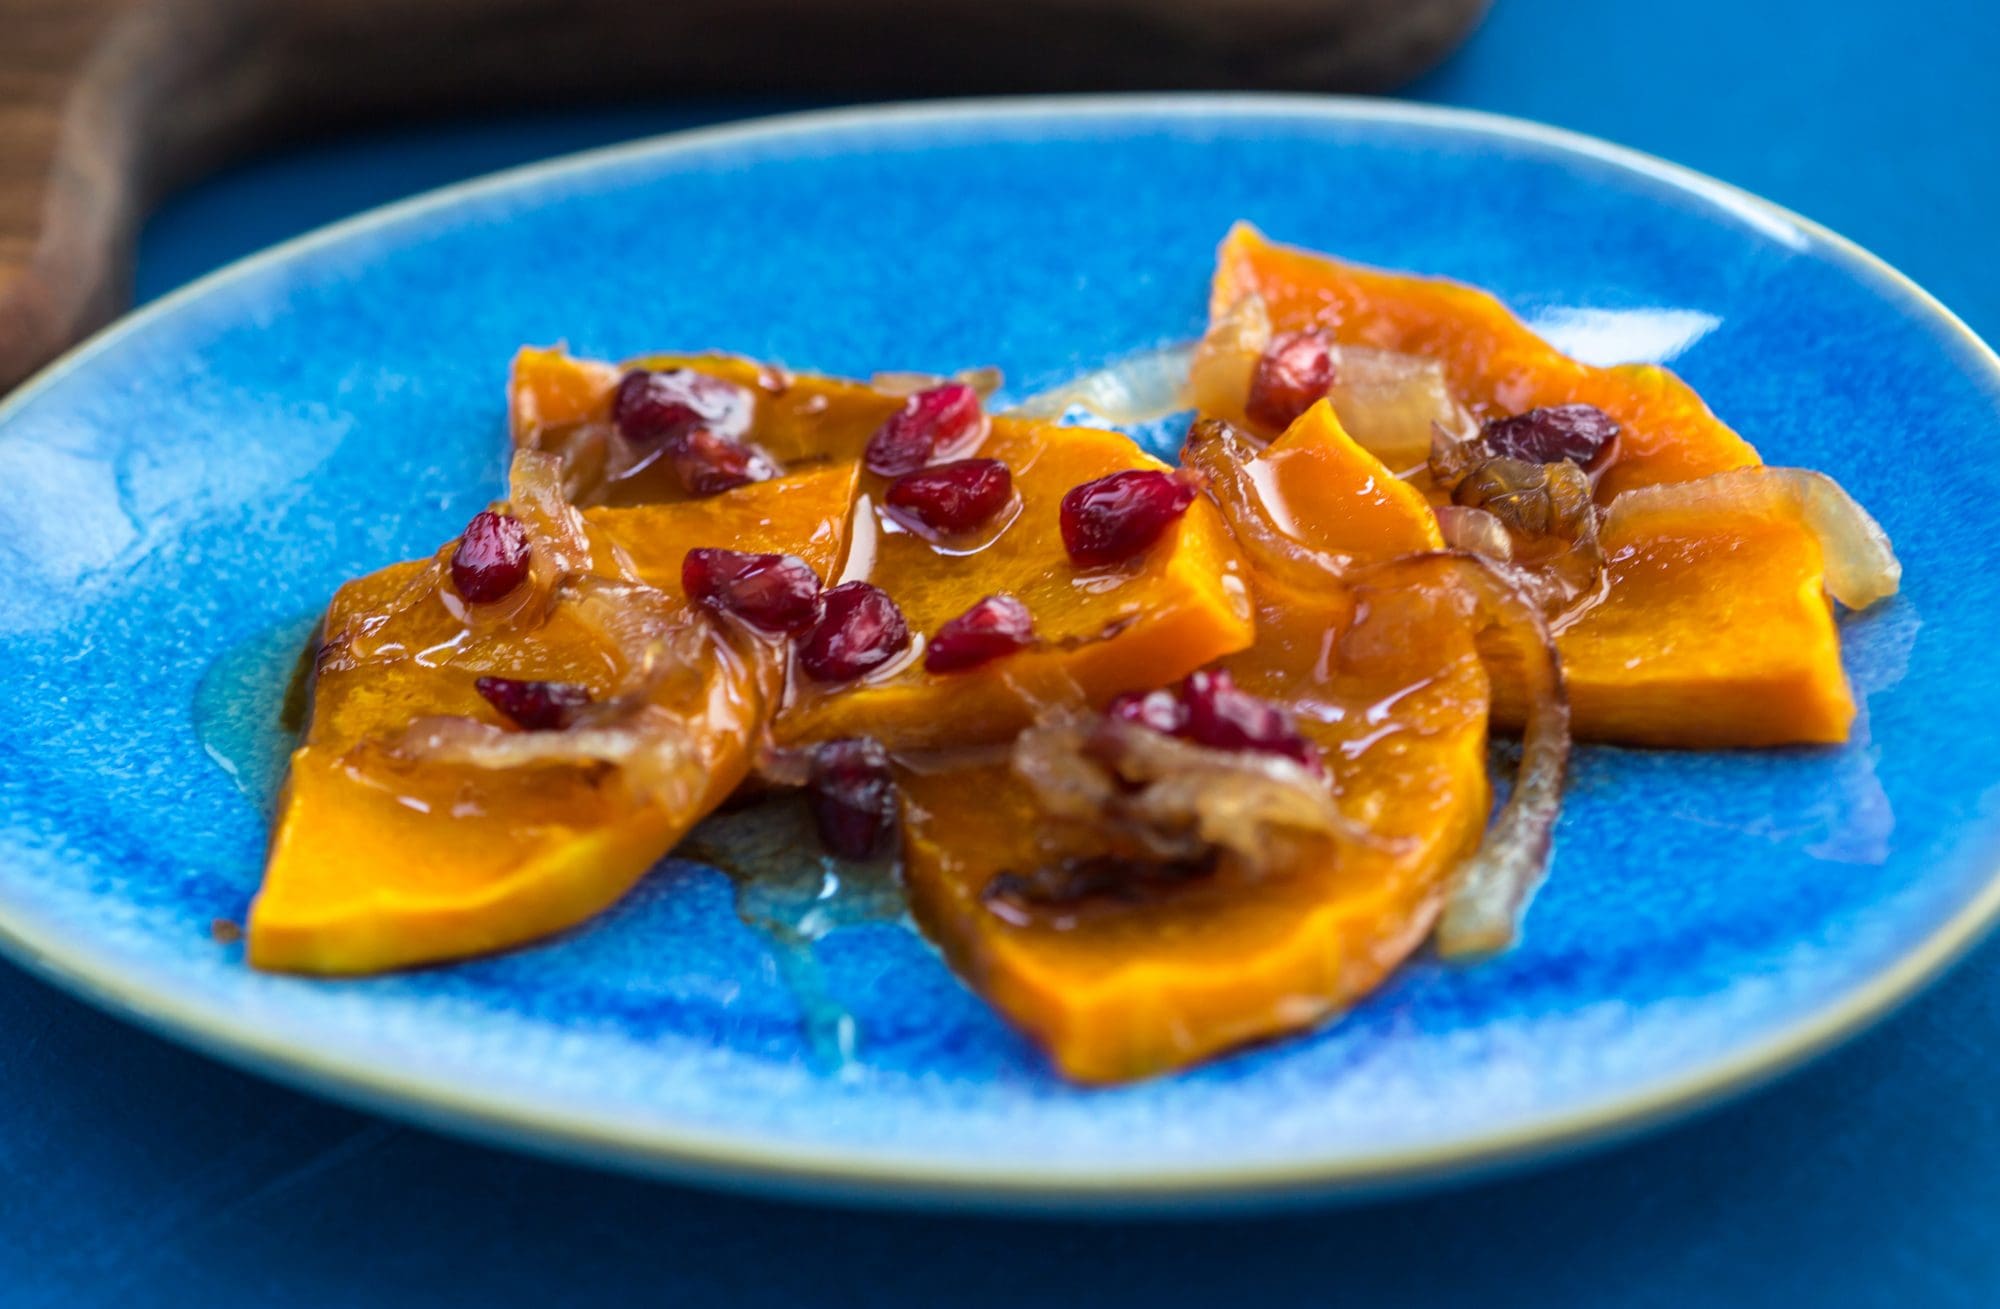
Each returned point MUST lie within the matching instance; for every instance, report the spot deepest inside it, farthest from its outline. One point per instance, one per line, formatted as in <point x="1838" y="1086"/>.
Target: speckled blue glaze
<point x="212" y="468"/>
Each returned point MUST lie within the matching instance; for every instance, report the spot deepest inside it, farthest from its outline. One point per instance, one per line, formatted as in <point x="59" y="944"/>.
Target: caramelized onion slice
<point x="1475" y="531"/>
<point x="1141" y="388"/>
<point x="652" y="749"/>
<point x="1123" y="787"/>
<point x="1218" y="375"/>
<point x="1389" y="402"/>
<point x="1861" y="564"/>
<point x="1491" y="889"/>
<point x="535" y="495"/>
<point x="985" y="380"/>
<point x="1222" y="454"/>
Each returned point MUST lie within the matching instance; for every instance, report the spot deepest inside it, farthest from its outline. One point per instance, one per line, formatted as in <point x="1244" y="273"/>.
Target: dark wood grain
<point x="105" y="103"/>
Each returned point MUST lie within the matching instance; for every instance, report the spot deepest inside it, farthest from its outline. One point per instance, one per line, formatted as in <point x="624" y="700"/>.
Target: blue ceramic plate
<point x="188" y="487"/>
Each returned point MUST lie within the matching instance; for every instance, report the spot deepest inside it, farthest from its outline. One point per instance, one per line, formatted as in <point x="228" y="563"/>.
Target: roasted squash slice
<point x="1385" y="680"/>
<point x="1713" y="629"/>
<point x="380" y="860"/>
<point x="1327" y="493"/>
<point x="1099" y="631"/>
<point x="563" y="404"/>
<point x="1492" y="363"/>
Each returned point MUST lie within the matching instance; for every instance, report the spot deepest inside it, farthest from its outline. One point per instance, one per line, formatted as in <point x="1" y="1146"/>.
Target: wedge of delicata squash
<point x="1689" y="585"/>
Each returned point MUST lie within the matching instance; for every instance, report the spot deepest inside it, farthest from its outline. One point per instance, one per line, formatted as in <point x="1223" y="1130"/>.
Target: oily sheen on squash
<point x="1714" y="629"/>
<point x="379" y="862"/>
<point x="1098" y="632"/>
<point x="563" y="404"/>
<point x="1492" y="362"/>
<point x="1134" y="625"/>
<point x="1385" y="680"/>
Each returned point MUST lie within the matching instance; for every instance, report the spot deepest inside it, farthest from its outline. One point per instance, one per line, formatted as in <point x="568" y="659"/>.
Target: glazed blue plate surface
<point x="184" y="492"/>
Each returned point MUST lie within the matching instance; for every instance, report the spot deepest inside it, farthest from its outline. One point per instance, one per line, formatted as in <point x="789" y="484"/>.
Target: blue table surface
<point x="135" y="1173"/>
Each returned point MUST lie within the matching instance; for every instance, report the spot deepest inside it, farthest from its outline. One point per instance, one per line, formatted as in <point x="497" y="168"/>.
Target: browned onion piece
<point x="1861" y="564"/>
<point x="1534" y="500"/>
<point x="1475" y="531"/>
<point x="647" y="632"/>
<point x="652" y="749"/>
<point x="1490" y="890"/>
<point x="556" y="533"/>
<point x="1135" y="790"/>
<point x="1453" y="455"/>
<point x="1545" y="511"/>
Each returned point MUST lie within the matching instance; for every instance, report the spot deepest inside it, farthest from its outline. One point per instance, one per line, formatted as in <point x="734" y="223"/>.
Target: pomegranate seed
<point x="858" y="630"/>
<point x="1160" y="710"/>
<point x="938" y="421"/>
<point x="491" y="558"/>
<point x="651" y="408"/>
<point x="709" y="463"/>
<point x="1116" y="517"/>
<point x="1292" y="374"/>
<point x="852" y="795"/>
<point x="998" y="625"/>
<point x="772" y="593"/>
<point x="1209" y="710"/>
<point x="533" y="706"/>
<point x="1582" y="434"/>
<point x="1224" y="718"/>
<point x="955" y="497"/>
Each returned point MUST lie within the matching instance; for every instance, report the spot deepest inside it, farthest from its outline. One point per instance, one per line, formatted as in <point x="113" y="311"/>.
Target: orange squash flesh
<point x="1715" y="630"/>
<point x="1493" y="363"/>
<point x="1099" y="631"/>
<point x="1390" y="687"/>
<point x="1330" y="494"/>
<point x="560" y="403"/>
<point x="375" y="865"/>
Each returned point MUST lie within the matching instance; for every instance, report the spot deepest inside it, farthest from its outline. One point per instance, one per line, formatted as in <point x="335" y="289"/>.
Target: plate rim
<point x="744" y="1160"/>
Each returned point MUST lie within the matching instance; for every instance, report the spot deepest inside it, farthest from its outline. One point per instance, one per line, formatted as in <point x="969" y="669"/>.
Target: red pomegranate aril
<point x="954" y="497"/>
<point x="1222" y="717"/>
<point x="998" y="625"/>
<point x="1162" y="711"/>
<point x="1116" y="517"/>
<point x="652" y="408"/>
<point x="852" y="795"/>
<point x="1292" y="374"/>
<point x="772" y="593"/>
<point x="941" y="420"/>
<point x="1582" y="434"/>
<point x="534" y="706"/>
<point x="859" y="629"/>
<point x="491" y="558"/>
<point x="709" y="463"/>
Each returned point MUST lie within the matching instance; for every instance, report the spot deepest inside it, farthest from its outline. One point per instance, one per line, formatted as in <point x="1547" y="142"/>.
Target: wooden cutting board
<point x="104" y="104"/>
